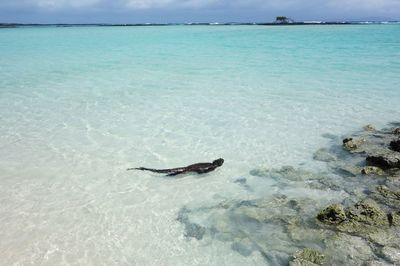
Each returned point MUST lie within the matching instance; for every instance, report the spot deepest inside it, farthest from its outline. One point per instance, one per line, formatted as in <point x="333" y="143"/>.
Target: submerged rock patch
<point x="286" y="173"/>
<point x="267" y="226"/>
<point x="324" y="155"/>
<point x="372" y="170"/>
<point x="363" y="226"/>
<point x="333" y="214"/>
<point x="308" y="257"/>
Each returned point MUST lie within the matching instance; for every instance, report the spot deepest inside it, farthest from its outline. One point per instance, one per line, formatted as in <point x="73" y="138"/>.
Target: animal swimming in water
<point x="199" y="168"/>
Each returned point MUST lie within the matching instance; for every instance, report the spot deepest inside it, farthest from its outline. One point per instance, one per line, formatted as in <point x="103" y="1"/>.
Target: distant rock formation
<point x="283" y="20"/>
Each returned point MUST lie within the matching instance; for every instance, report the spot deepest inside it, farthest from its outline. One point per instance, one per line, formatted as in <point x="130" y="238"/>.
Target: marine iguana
<point x="199" y="168"/>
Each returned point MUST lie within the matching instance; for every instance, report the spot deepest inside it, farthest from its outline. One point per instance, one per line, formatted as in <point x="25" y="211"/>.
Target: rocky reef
<point x="362" y="219"/>
<point x="308" y="257"/>
<point x="356" y="222"/>
<point x="381" y="148"/>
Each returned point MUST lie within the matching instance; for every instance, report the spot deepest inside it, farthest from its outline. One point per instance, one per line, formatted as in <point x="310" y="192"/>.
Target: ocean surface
<point x="79" y="105"/>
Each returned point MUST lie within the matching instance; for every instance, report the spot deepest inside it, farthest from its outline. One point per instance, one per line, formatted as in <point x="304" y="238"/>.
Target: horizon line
<point x="306" y="22"/>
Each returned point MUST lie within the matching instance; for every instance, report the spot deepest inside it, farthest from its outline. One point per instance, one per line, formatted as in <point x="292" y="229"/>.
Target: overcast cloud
<point x="134" y="11"/>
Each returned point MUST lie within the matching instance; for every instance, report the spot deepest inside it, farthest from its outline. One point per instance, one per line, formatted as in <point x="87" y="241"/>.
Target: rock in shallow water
<point x="395" y="145"/>
<point x="277" y="227"/>
<point x="299" y="233"/>
<point x="259" y="225"/>
<point x="192" y="230"/>
<point x="345" y="169"/>
<point x="363" y="219"/>
<point x="388" y="197"/>
<point x="385" y="237"/>
<point x="244" y="247"/>
<point x="375" y="144"/>
<point x="324" y="155"/>
<point x="369" y="128"/>
<point x="376" y="263"/>
<point x="349" y="144"/>
<point x="286" y="173"/>
<point x="354" y="145"/>
<point x="394" y="218"/>
<point x="372" y="170"/>
<point x="367" y="212"/>
<point x="195" y="230"/>
<point x="392" y="254"/>
<point x="388" y="193"/>
<point x="384" y="159"/>
<point x="345" y="249"/>
<point x="308" y="257"/>
<point x="333" y="214"/>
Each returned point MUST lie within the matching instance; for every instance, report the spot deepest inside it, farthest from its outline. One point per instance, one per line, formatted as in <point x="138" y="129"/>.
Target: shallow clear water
<point x="79" y="105"/>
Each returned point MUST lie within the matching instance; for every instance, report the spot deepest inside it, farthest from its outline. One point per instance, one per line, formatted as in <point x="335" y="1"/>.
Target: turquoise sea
<point x="79" y="105"/>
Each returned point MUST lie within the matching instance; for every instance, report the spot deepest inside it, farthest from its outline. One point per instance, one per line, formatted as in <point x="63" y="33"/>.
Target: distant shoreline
<point x="18" y="25"/>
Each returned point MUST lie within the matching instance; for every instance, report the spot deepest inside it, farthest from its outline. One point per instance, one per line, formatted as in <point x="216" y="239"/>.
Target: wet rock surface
<point x="392" y="254"/>
<point x="309" y="257"/>
<point x="333" y="214"/>
<point x="387" y="196"/>
<point x="372" y="170"/>
<point x="351" y="144"/>
<point x="364" y="218"/>
<point x="345" y="249"/>
<point x="381" y="148"/>
<point x="357" y="223"/>
<point x="395" y="145"/>
<point x="384" y="159"/>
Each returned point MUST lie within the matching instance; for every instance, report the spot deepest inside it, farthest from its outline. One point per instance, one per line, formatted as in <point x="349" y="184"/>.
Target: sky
<point x="183" y="11"/>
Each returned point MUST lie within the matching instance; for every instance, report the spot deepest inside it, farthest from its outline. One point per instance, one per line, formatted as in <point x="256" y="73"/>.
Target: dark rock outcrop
<point x="333" y="214"/>
<point x="384" y="159"/>
<point x="395" y="145"/>
<point x="349" y="144"/>
<point x="381" y="147"/>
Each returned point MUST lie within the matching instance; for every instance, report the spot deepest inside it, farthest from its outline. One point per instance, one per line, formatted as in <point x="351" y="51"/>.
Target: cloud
<point x="59" y="4"/>
<point x="338" y="5"/>
<point x="202" y="10"/>
<point x="148" y="4"/>
<point x="196" y="4"/>
<point x="372" y="5"/>
<point x="364" y="4"/>
<point x="49" y="4"/>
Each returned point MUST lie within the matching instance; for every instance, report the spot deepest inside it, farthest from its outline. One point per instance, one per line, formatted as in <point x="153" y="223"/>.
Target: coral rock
<point x="372" y="170"/>
<point x="308" y="257"/>
<point x="333" y="214"/>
